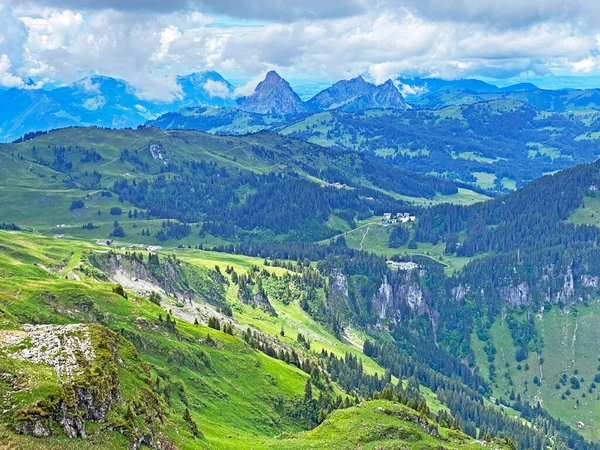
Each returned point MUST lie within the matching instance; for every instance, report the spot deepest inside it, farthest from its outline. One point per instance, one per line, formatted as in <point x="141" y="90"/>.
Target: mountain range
<point x="100" y="101"/>
<point x="206" y="98"/>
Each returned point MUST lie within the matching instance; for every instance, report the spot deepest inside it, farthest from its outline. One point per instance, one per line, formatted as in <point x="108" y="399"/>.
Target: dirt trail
<point x="573" y="340"/>
<point x="363" y="238"/>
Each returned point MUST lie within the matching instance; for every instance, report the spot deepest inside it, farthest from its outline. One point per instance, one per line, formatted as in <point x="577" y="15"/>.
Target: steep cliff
<point x="152" y="273"/>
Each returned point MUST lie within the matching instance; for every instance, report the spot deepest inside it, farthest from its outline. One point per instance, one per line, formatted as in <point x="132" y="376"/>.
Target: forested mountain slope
<point x="498" y="144"/>
<point x="495" y="144"/>
<point x="281" y="215"/>
<point x="184" y="357"/>
<point x="77" y="177"/>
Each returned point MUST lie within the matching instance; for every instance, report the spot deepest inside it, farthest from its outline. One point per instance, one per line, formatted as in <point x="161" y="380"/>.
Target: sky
<point x="312" y="42"/>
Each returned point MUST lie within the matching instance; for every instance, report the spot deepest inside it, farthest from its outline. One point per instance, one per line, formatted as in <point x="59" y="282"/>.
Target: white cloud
<point x="587" y="65"/>
<point x="408" y="90"/>
<point x="248" y="88"/>
<point x="169" y="35"/>
<point x="7" y="78"/>
<point x="69" y="39"/>
<point x="217" y="89"/>
<point x="53" y="29"/>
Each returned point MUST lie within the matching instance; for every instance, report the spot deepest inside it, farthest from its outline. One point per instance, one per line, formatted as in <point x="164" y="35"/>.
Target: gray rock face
<point x="402" y="292"/>
<point x="157" y="150"/>
<point x="340" y="94"/>
<point x="137" y="275"/>
<point x="387" y="96"/>
<point x="273" y="95"/>
<point x="37" y="428"/>
<point x="358" y="95"/>
<point x="516" y="295"/>
<point x="337" y="294"/>
<point x="258" y="300"/>
<point x="64" y="348"/>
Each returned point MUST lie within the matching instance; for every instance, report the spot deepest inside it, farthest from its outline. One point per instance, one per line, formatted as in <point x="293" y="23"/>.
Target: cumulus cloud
<point x="587" y="65"/>
<point x="409" y="90"/>
<point x="248" y="88"/>
<point x="13" y="37"/>
<point x="7" y="79"/>
<point x="279" y="10"/>
<point x="217" y="89"/>
<point x="150" y="42"/>
<point x="502" y="14"/>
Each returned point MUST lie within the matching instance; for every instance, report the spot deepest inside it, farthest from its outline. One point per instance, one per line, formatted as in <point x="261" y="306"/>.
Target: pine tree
<point x="308" y="394"/>
<point x="188" y="418"/>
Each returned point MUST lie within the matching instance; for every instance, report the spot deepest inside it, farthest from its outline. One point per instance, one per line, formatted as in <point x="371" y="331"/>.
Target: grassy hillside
<point x="467" y="141"/>
<point x="568" y="347"/>
<point x="69" y="177"/>
<point x="380" y="425"/>
<point x="229" y="388"/>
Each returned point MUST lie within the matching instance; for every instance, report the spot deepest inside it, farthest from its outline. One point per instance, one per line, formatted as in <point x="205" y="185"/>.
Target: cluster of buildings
<point x="403" y="265"/>
<point x="389" y="219"/>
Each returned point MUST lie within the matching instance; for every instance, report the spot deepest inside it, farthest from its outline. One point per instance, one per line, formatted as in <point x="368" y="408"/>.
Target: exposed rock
<point x="402" y="293"/>
<point x="273" y="95"/>
<point x="569" y="284"/>
<point x="358" y="95"/>
<point x="157" y="150"/>
<point x="459" y="292"/>
<point x="69" y="350"/>
<point x="59" y="346"/>
<point x="589" y="281"/>
<point x="337" y="294"/>
<point x="134" y="274"/>
<point x="340" y="94"/>
<point x="429" y="428"/>
<point x="257" y="300"/>
<point x="516" y="295"/>
<point x="37" y="428"/>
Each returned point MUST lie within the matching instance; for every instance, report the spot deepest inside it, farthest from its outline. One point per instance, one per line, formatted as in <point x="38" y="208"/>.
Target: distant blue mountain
<point x="207" y="89"/>
<point x="101" y="101"/>
<point x="431" y="85"/>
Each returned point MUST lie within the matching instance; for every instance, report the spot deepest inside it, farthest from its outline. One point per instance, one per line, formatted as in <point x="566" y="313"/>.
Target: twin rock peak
<point x="274" y="95"/>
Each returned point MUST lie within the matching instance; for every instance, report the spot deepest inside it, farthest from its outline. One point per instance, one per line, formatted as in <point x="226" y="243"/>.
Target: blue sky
<point x="553" y="43"/>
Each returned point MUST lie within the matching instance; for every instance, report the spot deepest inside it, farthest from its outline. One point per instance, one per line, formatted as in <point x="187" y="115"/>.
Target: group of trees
<point x="430" y="140"/>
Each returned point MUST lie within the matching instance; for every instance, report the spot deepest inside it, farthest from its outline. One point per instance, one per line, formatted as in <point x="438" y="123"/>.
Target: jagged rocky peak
<point x="358" y="95"/>
<point x="340" y="93"/>
<point x="387" y="96"/>
<point x="273" y="95"/>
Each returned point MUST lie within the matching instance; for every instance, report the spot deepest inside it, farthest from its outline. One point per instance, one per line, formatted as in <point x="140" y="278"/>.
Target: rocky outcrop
<point x="358" y="95"/>
<point x="257" y="299"/>
<point x="63" y="347"/>
<point x="340" y="94"/>
<point x="157" y="150"/>
<point x="516" y="295"/>
<point x="134" y="273"/>
<point x="273" y="95"/>
<point x="402" y="294"/>
<point x="429" y="427"/>
<point x="337" y="292"/>
<point x="69" y="350"/>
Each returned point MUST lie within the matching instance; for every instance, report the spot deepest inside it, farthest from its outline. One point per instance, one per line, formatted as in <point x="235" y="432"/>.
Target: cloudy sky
<point x="149" y="42"/>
